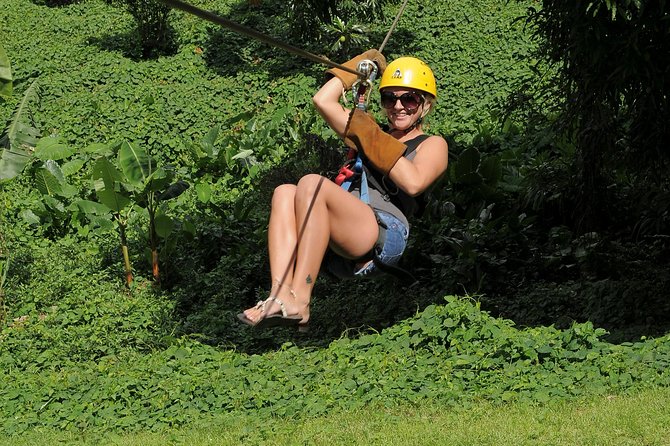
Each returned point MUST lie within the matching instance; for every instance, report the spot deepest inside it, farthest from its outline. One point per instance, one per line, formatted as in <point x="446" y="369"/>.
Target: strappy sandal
<point x="303" y="327"/>
<point x="272" y="320"/>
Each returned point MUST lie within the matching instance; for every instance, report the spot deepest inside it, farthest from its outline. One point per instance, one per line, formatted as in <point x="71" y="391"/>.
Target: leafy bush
<point x="54" y="3"/>
<point x="20" y="136"/>
<point x="625" y="43"/>
<point x="156" y="35"/>
<point x="449" y="354"/>
<point x="6" y="79"/>
<point x="62" y="312"/>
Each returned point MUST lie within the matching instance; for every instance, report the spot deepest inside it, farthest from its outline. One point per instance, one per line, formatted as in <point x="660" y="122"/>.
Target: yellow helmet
<point x="409" y="72"/>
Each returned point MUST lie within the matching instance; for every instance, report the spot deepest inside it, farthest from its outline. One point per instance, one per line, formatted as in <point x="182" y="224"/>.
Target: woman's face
<point x="403" y="107"/>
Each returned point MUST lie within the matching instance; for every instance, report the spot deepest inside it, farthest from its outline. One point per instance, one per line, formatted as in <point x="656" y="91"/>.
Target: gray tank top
<point x="383" y="200"/>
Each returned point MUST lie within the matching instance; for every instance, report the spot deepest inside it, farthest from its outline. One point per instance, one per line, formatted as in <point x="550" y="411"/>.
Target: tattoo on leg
<point x="309" y="278"/>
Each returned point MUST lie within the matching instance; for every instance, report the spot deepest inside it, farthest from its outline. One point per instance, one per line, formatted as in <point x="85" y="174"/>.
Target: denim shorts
<point x="389" y="254"/>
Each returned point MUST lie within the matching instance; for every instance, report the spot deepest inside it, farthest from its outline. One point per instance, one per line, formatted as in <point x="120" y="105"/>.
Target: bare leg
<point x="323" y="213"/>
<point x="282" y="239"/>
<point x="336" y="217"/>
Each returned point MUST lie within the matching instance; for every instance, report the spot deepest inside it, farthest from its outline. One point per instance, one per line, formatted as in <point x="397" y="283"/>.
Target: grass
<point x="634" y="419"/>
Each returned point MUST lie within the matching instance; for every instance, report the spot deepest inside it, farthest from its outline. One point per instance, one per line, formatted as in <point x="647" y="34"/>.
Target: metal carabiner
<point x="359" y="88"/>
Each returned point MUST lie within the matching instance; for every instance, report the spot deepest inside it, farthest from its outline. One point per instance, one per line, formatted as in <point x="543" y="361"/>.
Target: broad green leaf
<point x="97" y="147"/>
<point x="293" y="133"/>
<point x="69" y="190"/>
<point x="254" y="170"/>
<point x="243" y="154"/>
<point x="196" y="151"/>
<point x="244" y="116"/>
<point x="47" y="183"/>
<point x="204" y="192"/>
<point x="188" y="227"/>
<point x="29" y="217"/>
<point x="491" y="170"/>
<point x="6" y="80"/>
<point x="104" y="223"/>
<point x="135" y="164"/>
<point x="114" y="200"/>
<point x="18" y="132"/>
<point x="90" y="207"/>
<point x="104" y="170"/>
<point x="207" y="143"/>
<point x="20" y="137"/>
<point x="164" y="225"/>
<point x="159" y="179"/>
<point x="54" y="204"/>
<point x="175" y="190"/>
<point x="252" y="125"/>
<point x="53" y="167"/>
<point x="12" y="163"/>
<point x="467" y="163"/>
<point x="50" y="148"/>
<point x="72" y="166"/>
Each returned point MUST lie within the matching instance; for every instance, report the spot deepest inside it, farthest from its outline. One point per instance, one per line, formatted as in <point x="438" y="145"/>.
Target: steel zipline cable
<point x="393" y="25"/>
<point x="214" y="18"/>
<point x="211" y="17"/>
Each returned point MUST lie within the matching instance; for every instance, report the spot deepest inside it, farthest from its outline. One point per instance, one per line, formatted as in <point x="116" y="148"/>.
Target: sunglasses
<point x="411" y="101"/>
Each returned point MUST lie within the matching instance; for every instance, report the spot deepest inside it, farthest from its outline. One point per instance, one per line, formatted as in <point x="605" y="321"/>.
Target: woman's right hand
<point x="348" y="78"/>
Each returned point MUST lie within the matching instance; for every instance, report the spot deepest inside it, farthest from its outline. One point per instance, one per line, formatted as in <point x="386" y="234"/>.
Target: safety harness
<point x="353" y="172"/>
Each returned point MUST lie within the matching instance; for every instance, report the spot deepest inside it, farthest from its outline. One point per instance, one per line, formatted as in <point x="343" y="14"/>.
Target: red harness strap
<point x="346" y="170"/>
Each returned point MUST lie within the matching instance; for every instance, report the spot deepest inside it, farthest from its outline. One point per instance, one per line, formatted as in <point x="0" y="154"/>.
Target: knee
<point x="309" y="185"/>
<point x="284" y="195"/>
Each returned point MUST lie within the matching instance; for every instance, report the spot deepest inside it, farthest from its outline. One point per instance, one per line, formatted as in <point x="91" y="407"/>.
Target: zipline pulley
<point x="360" y="88"/>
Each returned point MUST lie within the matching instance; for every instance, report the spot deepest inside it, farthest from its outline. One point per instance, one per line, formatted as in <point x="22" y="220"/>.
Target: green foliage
<point x="6" y="79"/>
<point x="136" y="181"/>
<point x="156" y="35"/>
<point x="234" y="119"/>
<point x="611" y="57"/>
<point x="346" y="36"/>
<point x="64" y="311"/>
<point x="55" y="3"/>
<point x="20" y="136"/>
<point x="449" y="354"/>
<point x="335" y="16"/>
<point x="60" y="209"/>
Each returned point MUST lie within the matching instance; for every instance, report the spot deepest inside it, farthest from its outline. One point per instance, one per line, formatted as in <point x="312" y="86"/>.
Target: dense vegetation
<point x="170" y="158"/>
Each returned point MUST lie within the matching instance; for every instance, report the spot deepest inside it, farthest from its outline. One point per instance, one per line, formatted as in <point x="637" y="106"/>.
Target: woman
<point x="317" y="216"/>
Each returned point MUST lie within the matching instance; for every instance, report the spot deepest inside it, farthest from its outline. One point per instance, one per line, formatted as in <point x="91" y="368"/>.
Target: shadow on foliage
<point x="55" y="3"/>
<point x="140" y="42"/>
<point x="499" y="231"/>
<point x="488" y="235"/>
<point x="479" y="236"/>
<point x="225" y="269"/>
<point x="523" y="263"/>
<point x="127" y="43"/>
<point x="229" y="53"/>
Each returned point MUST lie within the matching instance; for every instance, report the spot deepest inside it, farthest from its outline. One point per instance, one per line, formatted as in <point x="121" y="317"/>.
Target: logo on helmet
<point x="396" y="74"/>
